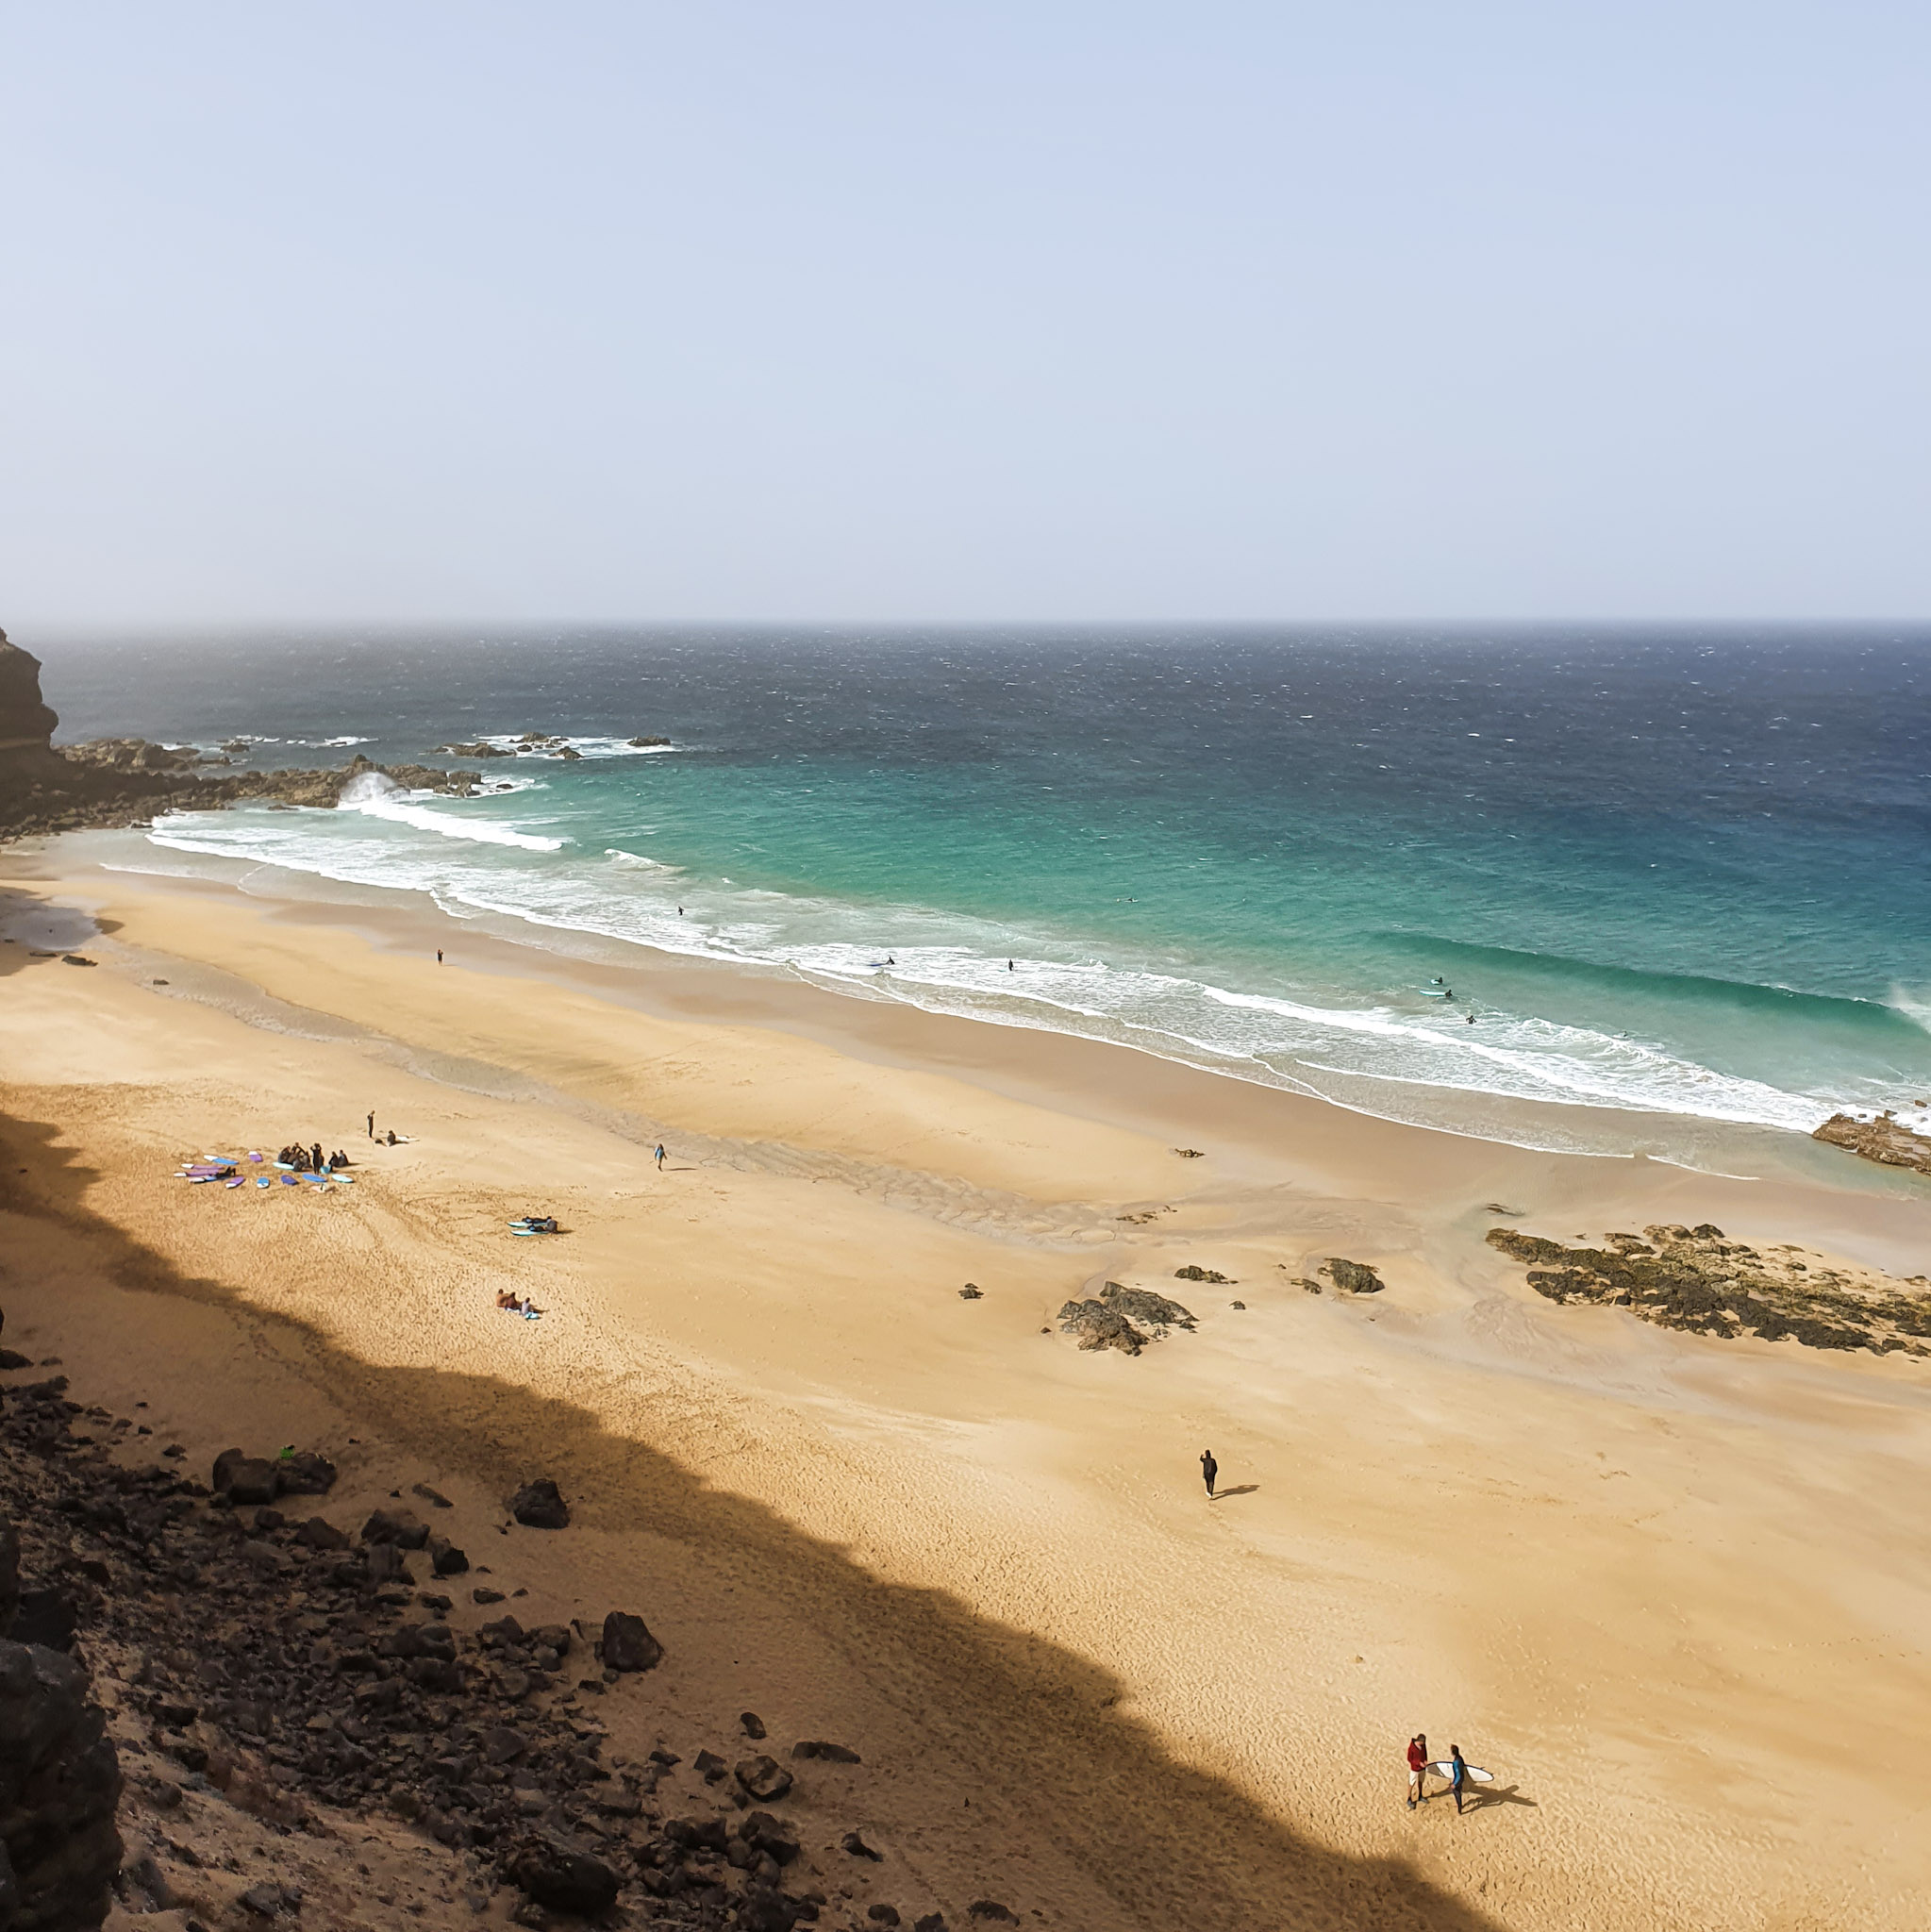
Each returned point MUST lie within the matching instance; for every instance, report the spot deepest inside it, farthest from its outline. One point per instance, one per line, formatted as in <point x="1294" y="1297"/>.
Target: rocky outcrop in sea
<point x="129" y="781"/>
<point x="1885" y="1139"/>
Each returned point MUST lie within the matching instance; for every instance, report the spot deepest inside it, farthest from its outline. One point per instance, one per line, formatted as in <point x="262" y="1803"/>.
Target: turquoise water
<point x="1674" y="875"/>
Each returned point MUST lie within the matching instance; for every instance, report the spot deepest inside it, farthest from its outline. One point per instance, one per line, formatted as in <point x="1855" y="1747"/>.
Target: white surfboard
<point x="1474" y="1772"/>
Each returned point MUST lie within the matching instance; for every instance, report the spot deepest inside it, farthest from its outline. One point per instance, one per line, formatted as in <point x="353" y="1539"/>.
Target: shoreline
<point x="1612" y="1555"/>
<point x="1041" y="1061"/>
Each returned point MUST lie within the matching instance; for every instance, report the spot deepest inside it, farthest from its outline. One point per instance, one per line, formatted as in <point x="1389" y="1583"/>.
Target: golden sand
<point x="1673" y="1592"/>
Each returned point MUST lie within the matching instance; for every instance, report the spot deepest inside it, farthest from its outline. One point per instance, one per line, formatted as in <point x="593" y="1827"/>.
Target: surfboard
<point x="1472" y="1771"/>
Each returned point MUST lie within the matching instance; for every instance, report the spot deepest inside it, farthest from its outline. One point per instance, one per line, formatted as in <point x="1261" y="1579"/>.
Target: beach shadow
<point x="998" y="1711"/>
<point x="1244" y="1489"/>
<point x="1497" y="1795"/>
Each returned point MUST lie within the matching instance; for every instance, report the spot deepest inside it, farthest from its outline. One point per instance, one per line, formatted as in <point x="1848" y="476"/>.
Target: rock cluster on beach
<point x="269" y="1664"/>
<point x="1123" y="1318"/>
<point x="128" y="781"/>
<point x="1885" y="1139"/>
<point x="1695" y="1278"/>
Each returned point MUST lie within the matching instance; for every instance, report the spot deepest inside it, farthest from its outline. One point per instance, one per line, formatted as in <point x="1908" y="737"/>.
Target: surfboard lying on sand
<point x="1472" y="1772"/>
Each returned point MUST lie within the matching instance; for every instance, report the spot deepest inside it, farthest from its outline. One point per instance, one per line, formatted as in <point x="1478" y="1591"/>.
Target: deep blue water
<point x="1678" y="874"/>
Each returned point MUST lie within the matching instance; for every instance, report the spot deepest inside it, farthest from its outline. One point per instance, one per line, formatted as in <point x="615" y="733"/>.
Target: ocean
<point x="1467" y="879"/>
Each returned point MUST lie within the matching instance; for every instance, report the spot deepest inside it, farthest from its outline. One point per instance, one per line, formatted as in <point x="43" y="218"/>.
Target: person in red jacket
<point x="1418" y="1763"/>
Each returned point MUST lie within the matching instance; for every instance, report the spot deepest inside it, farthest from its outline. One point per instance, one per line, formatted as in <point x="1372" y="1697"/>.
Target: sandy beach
<point x="1672" y="1591"/>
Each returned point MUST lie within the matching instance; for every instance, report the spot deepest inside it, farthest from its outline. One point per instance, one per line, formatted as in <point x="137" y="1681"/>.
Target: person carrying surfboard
<point x="1418" y="1763"/>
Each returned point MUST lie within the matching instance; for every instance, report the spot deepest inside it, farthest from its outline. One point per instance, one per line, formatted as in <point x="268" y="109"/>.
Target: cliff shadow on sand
<point x="1068" y="1775"/>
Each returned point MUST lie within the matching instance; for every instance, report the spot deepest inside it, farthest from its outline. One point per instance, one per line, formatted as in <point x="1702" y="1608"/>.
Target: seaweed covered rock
<point x="1149" y="1311"/>
<point x="1099" y="1327"/>
<point x="1351" y="1277"/>
<point x="1697" y="1280"/>
<point x="1194" y="1271"/>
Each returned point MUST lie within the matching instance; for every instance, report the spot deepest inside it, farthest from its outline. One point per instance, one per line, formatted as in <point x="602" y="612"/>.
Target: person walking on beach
<point x="1418" y="1763"/>
<point x="439" y="956"/>
<point x="1458" y="1776"/>
<point x="660" y="1156"/>
<point x="1209" y="1469"/>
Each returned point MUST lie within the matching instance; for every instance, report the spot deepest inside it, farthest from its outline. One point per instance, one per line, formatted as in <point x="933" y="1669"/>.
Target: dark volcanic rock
<point x="245" y="1479"/>
<point x="9" y="1583"/>
<point x="564" y="1880"/>
<point x="386" y="1564"/>
<point x="1099" y="1327"/>
<point x="630" y="1646"/>
<point x="540" y="1506"/>
<point x="318" y="1533"/>
<point x="59" y="1783"/>
<point x="753" y="1723"/>
<point x="305" y="1474"/>
<point x="46" y="1617"/>
<point x="445" y="1558"/>
<point x="1351" y="1277"/>
<point x="1194" y="1272"/>
<point x="402" y="1528"/>
<point x="832" y="1754"/>
<point x="764" y="1778"/>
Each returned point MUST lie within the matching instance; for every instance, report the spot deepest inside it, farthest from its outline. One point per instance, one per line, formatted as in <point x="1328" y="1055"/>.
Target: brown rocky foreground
<point x="198" y="1676"/>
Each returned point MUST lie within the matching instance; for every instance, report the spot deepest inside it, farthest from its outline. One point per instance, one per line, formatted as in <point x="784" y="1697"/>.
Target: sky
<point x="853" y="313"/>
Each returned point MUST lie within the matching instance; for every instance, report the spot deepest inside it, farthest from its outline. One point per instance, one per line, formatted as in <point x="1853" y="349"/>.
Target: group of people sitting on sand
<point x="310" y="1160"/>
<point x="517" y="1305"/>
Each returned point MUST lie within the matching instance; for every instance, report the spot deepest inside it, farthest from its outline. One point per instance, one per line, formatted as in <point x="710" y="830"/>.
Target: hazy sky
<point x="816" y="309"/>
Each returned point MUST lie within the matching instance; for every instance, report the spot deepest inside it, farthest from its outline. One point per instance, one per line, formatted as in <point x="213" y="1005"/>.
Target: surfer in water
<point x="1418" y="1763"/>
<point x="1209" y="1469"/>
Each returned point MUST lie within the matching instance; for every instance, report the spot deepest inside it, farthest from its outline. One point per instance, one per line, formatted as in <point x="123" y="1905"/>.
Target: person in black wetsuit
<point x="1209" y="1469"/>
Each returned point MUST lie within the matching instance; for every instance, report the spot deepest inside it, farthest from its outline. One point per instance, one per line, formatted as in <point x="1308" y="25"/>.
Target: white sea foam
<point x="637" y="862"/>
<point x="1914" y="1002"/>
<point x="1373" y="1055"/>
